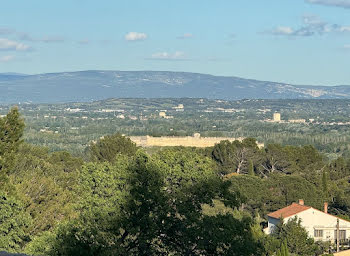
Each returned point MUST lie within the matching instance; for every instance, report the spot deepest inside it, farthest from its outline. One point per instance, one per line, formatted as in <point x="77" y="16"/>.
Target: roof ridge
<point x="289" y="210"/>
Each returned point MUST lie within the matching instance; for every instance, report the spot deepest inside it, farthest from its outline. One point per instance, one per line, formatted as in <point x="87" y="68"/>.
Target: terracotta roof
<point x="288" y="211"/>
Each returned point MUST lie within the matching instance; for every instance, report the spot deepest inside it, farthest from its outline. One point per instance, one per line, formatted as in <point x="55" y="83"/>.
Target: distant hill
<point x="10" y="76"/>
<point x="96" y="85"/>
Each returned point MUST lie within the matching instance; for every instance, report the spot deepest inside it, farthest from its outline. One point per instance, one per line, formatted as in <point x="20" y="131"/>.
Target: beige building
<point x="162" y="114"/>
<point x="277" y="117"/>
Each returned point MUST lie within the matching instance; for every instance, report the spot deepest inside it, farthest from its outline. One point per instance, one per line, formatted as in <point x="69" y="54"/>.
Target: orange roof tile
<point x="288" y="211"/>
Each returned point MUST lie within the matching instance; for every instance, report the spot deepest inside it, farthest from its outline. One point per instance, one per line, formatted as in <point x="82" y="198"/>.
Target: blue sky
<point x="294" y="41"/>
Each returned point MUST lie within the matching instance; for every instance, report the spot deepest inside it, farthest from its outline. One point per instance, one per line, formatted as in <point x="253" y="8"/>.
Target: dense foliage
<point x="176" y="201"/>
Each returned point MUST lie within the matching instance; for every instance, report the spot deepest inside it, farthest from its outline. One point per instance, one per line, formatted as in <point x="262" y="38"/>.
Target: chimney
<point x="325" y="207"/>
<point x="301" y="201"/>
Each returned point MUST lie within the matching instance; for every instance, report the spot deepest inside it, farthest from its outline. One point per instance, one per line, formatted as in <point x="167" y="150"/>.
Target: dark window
<point x="318" y="233"/>
<point x="342" y="234"/>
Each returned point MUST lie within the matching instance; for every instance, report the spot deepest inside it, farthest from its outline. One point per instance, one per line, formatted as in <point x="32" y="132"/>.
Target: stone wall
<point x="188" y="141"/>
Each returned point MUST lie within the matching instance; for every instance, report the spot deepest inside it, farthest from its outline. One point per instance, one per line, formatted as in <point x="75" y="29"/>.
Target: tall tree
<point x="11" y="132"/>
<point x="296" y="238"/>
<point x="325" y="182"/>
<point x="234" y="156"/>
<point x="108" y="147"/>
<point x="251" y="168"/>
<point x="13" y="224"/>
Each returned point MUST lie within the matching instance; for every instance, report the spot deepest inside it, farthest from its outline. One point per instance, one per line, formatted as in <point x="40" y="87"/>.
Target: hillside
<point x="95" y="85"/>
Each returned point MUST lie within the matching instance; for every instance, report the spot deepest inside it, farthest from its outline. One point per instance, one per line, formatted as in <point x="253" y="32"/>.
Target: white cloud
<point x="135" y="36"/>
<point x="8" y="45"/>
<point x="312" y="25"/>
<point x="6" y="58"/>
<point x="283" y="31"/>
<point x="178" y="55"/>
<point x="346" y="47"/>
<point x="344" y="29"/>
<point x="336" y="3"/>
<point x="185" y="36"/>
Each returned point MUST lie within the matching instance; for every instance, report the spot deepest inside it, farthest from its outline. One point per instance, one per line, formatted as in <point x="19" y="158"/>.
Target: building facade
<point x="320" y="225"/>
<point x="277" y="117"/>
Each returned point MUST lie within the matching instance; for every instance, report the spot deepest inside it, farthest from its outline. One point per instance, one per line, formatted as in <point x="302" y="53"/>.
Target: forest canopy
<point x="121" y="200"/>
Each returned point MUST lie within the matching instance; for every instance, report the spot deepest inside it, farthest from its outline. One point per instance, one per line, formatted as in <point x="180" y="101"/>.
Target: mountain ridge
<point x="92" y="85"/>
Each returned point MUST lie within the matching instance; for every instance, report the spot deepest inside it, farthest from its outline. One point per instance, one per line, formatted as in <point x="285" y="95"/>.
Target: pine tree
<point x="325" y="182"/>
<point x="251" y="168"/>
<point x="284" y="249"/>
<point x="11" y="132"/>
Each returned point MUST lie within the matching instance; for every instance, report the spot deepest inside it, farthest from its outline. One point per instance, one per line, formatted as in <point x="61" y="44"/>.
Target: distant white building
<point x="297" y="121"/>
<point x="162" y="114"/>
<point x="320" y="225"/>
<point x="180" y="107"/>
<point x="277" y="117"/>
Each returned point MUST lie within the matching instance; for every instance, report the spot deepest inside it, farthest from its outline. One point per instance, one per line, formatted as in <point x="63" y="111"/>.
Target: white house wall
<point x="272" y="222"/>
<point x="312" y="219"/>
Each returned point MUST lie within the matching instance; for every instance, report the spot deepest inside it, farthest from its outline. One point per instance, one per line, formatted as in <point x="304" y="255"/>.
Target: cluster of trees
<point x="120" y="200"/>
<point x="283" y="175"/>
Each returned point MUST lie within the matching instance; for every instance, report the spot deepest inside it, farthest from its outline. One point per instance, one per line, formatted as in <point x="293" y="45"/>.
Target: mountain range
<point x="97" y="85"/>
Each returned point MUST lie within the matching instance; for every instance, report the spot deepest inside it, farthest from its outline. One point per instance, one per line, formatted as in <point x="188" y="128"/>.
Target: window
<point x="342" y="234"/>
<point x="318" y="233"/>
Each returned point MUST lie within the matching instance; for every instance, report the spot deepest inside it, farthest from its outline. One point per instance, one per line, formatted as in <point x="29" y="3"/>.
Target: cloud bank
<point x="9" y="45"/>
<point x="312" y="25"/>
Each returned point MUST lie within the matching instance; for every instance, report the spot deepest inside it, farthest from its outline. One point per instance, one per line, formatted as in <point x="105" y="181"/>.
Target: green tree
<point x="234" y="156"/>
<point x="284" y="249"/>
<point x="13" y="224"/>
<point x="277" y="159"/>
<point x="108" y="147"/>
<point x="286" y="189"/>
<point x="325" y="182"/>
<point x="255" y="192"/>
<point x="44" y="183"/>
<point x="295" y="237"/>
<point x="251" y="168"/>
<point x="11" y="131"/>
<point x="152" y="205"/>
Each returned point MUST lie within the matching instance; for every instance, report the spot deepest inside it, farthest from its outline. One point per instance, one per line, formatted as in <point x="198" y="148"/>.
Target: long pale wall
<point x="188" y="141"/>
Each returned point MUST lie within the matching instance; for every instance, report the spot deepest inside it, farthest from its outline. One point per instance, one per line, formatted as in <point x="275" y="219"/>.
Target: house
<point x="320" y="225"/>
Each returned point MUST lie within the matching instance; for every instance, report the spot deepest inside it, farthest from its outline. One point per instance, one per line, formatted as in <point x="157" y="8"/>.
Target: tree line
<point x="120" y="200"/>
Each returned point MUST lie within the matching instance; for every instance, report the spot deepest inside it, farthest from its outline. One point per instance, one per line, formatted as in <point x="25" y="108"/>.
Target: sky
<point x="303" y="42"/>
